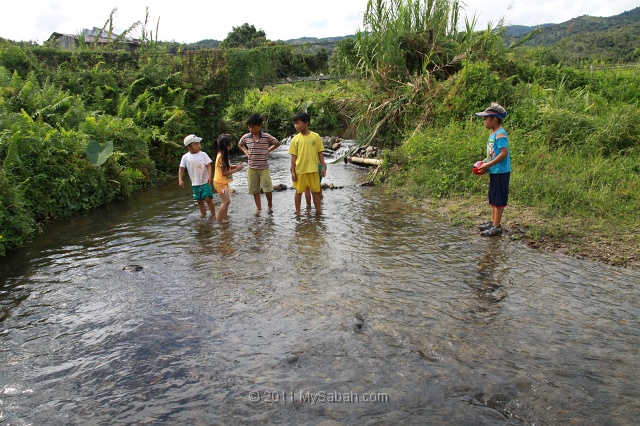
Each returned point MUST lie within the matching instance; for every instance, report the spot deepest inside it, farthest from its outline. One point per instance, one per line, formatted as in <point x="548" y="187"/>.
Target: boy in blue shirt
<point x="498" y="164"/>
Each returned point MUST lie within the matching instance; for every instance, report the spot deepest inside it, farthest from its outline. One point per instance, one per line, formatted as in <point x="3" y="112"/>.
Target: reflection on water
<point x="144" y="314"/>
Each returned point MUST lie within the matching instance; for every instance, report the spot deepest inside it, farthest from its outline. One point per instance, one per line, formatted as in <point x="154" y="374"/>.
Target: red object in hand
<point x="476" y="168"/>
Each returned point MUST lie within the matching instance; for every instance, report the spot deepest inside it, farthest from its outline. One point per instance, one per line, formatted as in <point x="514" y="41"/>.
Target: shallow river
<point x="374" y="313"/>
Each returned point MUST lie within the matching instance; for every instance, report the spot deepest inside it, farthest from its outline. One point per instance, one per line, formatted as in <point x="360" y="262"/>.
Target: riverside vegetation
<point x="573" y="130"/>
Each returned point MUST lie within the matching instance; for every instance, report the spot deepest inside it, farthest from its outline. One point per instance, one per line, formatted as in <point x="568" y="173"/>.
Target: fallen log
<point x="364" y="161"/>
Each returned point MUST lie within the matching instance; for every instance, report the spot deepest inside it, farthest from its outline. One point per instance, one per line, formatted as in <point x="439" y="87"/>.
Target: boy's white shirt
<point x="196" y="165"/>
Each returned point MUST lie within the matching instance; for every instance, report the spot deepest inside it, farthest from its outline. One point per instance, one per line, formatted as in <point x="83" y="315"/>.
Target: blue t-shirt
<point x="498" y="140"/>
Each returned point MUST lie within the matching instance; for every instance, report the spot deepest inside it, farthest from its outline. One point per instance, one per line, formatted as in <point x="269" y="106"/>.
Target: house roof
<point x="89" y="37"/>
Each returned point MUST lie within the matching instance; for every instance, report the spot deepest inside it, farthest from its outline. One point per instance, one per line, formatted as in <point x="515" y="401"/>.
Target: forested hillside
<point x="612" y="39"/>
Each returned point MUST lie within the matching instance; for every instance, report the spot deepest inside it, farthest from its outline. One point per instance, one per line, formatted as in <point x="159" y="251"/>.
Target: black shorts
<point x="499" y="189"/>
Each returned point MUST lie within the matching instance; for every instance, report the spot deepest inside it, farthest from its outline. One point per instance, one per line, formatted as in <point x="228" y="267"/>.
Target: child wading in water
<point x="306" y="153"/>
<point x="223" y="174"/>
<point x="198" y="165"/>
<point x="257" y="145"/>
<point x="307" y="193"/>
<point x="498" y="164"/>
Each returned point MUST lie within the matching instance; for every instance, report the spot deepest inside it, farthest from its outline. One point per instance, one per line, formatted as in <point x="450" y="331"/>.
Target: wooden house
<point x="71" y="41"/>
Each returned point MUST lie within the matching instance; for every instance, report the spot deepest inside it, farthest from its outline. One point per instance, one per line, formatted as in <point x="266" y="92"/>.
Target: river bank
<point x="601" y="241"/>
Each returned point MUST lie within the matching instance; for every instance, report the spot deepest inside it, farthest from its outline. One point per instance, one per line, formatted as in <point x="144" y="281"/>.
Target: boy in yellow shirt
<point x="306" y="152"/>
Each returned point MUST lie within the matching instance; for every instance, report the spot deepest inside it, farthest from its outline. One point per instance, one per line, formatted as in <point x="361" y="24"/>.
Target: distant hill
<point x="320" y="41"/>
<point x="329" y="43"/>
<point x="612" y="39"/>
<point x="615" y="38"/>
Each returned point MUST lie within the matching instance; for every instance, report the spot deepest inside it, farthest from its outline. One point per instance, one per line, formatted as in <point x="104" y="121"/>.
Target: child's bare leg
<point x="497" y="215"/>
<point x="256" y="198"/>
<point x="298" y="200"/>
<point x="269" y="196"/>
<point x="307" y="197"/>
<point x="212" y="207"/>
<point x="224" y="206"/>
<point x="316" y="202"/>
<point x="203" y="209"/>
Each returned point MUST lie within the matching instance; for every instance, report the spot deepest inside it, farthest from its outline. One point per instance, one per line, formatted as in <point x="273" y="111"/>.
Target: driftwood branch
<point x="364" y="161"/>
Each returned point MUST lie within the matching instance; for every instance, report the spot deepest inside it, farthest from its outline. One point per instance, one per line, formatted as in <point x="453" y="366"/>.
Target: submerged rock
<point x="357" y="323"/>
<point x="280" y="187"/>
<point x="133" y="268"/>
<point x="290" y="359"/>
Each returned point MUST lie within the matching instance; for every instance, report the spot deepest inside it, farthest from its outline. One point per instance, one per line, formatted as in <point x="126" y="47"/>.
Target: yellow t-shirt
<point x="306" y="149"/>
<point x="217" y="174"/>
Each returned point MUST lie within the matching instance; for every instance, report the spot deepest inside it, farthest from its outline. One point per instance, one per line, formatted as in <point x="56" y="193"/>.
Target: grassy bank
<point x="575" y="183"/>
<point x="574" y="132"/>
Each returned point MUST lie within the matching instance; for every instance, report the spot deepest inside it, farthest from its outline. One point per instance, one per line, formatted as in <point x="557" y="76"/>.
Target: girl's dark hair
<point x="222" y="147"/>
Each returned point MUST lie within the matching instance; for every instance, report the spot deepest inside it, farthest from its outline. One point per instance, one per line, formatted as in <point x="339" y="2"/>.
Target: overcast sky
<point x="189" y="21"/>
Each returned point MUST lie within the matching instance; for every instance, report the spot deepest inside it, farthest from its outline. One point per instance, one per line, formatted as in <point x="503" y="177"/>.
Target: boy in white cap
<point x="498" y="164"/>
<point x="198" y="165"/>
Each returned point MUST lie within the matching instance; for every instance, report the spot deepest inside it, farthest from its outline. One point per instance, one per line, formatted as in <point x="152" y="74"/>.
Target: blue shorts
<point x="200" y="192"/>
<point x="499" y="189"/>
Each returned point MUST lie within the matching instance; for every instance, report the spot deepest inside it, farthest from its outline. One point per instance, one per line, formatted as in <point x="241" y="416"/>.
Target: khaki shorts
<point x="259" y="178"/>
<point x="307" y="181"/>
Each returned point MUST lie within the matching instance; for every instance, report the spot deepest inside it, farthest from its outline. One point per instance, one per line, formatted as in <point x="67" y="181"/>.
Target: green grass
<point x="579" y="193"/>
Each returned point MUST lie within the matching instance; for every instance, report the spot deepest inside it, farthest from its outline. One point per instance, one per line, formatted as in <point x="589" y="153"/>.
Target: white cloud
<point x="194" y="20"/>
<point x="183" y="21"/>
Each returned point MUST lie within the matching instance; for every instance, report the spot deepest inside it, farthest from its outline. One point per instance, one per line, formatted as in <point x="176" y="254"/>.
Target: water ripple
<point x="145" y="313"/>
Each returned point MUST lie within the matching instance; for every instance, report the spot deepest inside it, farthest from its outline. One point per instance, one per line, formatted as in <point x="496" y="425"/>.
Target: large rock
<point x="370" y="152"/>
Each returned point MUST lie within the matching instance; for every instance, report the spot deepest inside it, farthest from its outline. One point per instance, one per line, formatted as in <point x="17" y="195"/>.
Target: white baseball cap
<point x="191" y="139"/>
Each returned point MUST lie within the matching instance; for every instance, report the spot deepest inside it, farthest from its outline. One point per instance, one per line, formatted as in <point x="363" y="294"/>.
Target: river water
<point x="372" y="314"/>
